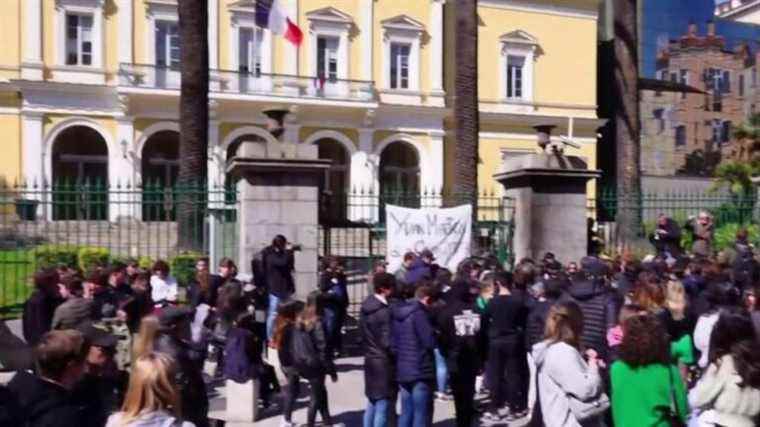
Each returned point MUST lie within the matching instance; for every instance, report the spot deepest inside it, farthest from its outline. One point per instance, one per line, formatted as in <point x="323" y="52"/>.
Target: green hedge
<point x="90" y="257"/>
<point x="183" y="267"/>
<point x="50" y="256"/>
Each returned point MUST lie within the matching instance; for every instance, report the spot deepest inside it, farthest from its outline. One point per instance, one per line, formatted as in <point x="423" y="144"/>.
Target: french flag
<point x="271" y="14"/>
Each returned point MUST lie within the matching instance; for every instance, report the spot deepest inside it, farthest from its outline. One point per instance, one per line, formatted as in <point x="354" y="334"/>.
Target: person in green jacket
<point x="646" y="387"/>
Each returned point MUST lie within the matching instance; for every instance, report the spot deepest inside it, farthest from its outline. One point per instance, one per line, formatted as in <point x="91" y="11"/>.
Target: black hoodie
<point x="375" y="326"/>
<point x="43" y="403"/>
<point x="599" y="307"/>
<point x="462" y="332"/>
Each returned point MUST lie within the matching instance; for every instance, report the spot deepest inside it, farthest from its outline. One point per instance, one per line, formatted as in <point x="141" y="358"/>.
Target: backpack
<point x="237" y="366"/>
<point x="304" y="352"/>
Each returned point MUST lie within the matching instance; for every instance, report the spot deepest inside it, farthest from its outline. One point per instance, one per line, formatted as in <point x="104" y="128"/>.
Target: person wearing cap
<point x="101" y="389"/>
<point x="174" y="340"/>
<point x="597" y="302"/>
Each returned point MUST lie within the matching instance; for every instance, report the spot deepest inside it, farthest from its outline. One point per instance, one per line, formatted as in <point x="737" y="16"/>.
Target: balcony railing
<point x="244" y="83"/>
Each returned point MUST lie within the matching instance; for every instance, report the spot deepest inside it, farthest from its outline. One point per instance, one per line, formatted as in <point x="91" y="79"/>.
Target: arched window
<point x="399" y="175"/>
<point x="80" y="175"/>
<point x="336" y="184"/>
<point x="160" y="167"/>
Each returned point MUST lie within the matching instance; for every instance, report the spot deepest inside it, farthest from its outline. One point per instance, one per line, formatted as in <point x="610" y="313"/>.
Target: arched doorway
<point x="80" y="175"/>
<point x="400" y="175"/>
<point x="160" y="167"/>
<point x="335" y="187"/>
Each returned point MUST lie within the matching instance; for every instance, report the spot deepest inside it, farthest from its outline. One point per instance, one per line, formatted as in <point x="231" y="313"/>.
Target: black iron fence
<point x="117" y="222"/>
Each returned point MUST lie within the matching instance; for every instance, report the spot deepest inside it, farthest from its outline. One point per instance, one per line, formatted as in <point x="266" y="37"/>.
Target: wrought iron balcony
<point x="145" y="76"/>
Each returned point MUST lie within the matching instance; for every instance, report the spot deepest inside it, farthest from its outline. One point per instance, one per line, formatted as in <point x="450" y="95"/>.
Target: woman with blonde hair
<point x="564" y="377"/>
<point x="146" y="337"/>
<point x="152" y="399"/>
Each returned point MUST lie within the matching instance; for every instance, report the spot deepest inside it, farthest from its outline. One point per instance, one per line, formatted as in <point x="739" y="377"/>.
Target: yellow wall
<point x="10" y="161"/>
<point x="48" y="33"/>
<point x="225" y="34"/>
<point x="351" y="134"/>
<point x="140" y="34"/>
<point x="10" y="54"/>
<point x="565" y="68"/>
<point x="111" y="37"/>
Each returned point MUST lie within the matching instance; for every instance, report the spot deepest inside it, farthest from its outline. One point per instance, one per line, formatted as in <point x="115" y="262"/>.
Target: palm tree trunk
<point x="627" y="122"/>
<point x="193" y="118"/>
<point x="467" y="123"/>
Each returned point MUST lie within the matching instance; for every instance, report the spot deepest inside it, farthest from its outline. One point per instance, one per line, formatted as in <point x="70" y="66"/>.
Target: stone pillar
<point x="365" y="34"/>
<point x="549" y="196"/>
<point x="121" y="171"/>
<point x="33" y="150"/>
<point x="213" y="34"/>
<point x="278" y="189"/>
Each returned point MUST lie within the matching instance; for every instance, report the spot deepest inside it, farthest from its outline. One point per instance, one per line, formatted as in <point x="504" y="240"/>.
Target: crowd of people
<point x="669" y="340"/>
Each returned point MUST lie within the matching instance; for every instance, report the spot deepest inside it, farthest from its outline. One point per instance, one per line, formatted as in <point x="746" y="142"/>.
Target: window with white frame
<point x="399" y="78"/>
<point x="515" y="69"/>
<point x="78" y="39"/>
<point x="167" y="44"/>
<point x="327" y="58"/>
<point x="518" y="55"/>
<point x="250" y="48"/>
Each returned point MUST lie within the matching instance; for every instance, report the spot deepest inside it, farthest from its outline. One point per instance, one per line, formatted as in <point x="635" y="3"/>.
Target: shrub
<point x="47" y="256"/>
<point x="145" y="262"/>
<point x="725" y="235"/>
<point x="90" y="257"/>
<point x="183" y="267"/>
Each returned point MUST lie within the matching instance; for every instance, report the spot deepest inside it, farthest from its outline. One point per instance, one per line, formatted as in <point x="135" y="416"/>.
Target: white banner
<point x="446" y="232"/>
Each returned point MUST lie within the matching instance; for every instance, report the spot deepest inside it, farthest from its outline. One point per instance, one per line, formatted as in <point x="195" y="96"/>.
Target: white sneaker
<point x="287" y="424"/>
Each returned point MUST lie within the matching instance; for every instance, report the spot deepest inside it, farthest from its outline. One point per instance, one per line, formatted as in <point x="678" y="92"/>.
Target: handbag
<point x="588" y="409"/>
<point x="671" y="413"/>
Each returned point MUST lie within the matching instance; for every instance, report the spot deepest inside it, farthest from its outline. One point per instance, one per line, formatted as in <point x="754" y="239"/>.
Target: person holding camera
<point x="666" y="237"/>
<point x="278" y="263"/>
<point x="334" y="286"/>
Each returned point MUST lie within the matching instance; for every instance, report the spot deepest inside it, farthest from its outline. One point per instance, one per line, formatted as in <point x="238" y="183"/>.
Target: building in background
<point x="747" y="11"/>
<point x="89" y="88"/>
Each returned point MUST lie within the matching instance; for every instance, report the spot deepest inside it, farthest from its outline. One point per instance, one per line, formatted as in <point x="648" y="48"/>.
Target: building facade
<point x="746" y="11"/>
<point x="692" y="131"/>
<point x="89" y="89"/>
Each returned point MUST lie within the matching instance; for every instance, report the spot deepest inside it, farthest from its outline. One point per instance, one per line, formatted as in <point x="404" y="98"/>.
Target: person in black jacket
<point x="598" y="304"/>
<point x="540" y="310"/>
<point x="287" y="313"/>
<point x="173" y="340"/>
<point x="506" y="317"/>
<point x="666" y="238"/>
<point x="412" y="344"/>
<point x="278" y="263"/>
<point x="45" y="399"/>
<point x="334" y="286"/>
<point x="309" y="323"/>
<point x="375" y="327"/>
<point x="41" y="305"/>
<point x="461" y="341"/>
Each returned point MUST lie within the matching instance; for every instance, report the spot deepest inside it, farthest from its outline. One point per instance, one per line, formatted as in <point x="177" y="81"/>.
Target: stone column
<point x="436" y="51"/>
<point x="433" y="179"/>
<point x="213" y="34"/>
<point x="361" y="178"/>
<point x="549" y="195"/>
<point x="33" y="150"/>
<point x="366" y="21"/>
<point x="31" y="56"/>
<point x="121" y="171"/>
<point x="279" y="194"/>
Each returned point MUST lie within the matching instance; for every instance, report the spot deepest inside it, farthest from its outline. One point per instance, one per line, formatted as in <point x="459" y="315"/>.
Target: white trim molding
<point x="366" y="18"/>
<point x="88" y="74"/>
<point x="243" y="15"/>
<point x="157" y="10"/>
<point x="151" y="130"/>
<point x="534" y="6"/>
<point x="52" y="135"/>
<point x="339" y="137"/>
<point x="31" y="61"/>
<point x="213" y="34"/>
<point x="405" y="30"/>
<point x="329" y="22"/>
<point x="247" y="130"/>
<point x="429" y="180"/>
<point x="126" y="30"/>
<point x="436" y="50"/>
<point x="522" y="44"/>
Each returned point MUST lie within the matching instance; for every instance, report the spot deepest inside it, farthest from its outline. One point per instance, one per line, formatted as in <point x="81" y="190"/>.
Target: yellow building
<point x="89" y="89"/>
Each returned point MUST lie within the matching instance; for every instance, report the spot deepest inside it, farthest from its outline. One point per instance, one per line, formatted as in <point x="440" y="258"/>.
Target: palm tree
<point x="467" y="123"/>
<point x="627" y="122"/>
<point x="193" y="118"/>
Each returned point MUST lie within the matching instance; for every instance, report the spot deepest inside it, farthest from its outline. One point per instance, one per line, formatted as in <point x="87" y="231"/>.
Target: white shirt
<point x="702" y="332"/>
<point x="163" y="289"/>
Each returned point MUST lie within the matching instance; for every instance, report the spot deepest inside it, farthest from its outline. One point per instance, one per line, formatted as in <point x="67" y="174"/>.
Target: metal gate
<point x="360" y="244"/>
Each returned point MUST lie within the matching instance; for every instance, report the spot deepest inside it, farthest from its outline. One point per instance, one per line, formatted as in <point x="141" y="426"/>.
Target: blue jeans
<point x="376" y="414"/>
<point x="274" y="302"/>
<point x="416" y="402"/>
<point x="441" y="371"/>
